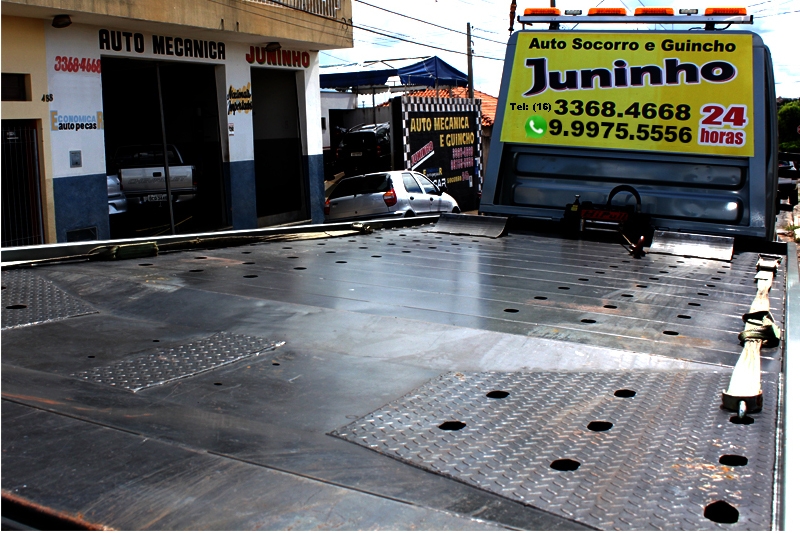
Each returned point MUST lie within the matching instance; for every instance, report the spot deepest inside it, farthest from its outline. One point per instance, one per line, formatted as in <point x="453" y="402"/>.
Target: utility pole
<point x="469" y="62"/>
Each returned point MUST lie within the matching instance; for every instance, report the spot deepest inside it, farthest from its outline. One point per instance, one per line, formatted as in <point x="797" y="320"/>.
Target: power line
<point x="350" y="24"/>
<point x="428" y="23"/>
<point x="776" y="14"/>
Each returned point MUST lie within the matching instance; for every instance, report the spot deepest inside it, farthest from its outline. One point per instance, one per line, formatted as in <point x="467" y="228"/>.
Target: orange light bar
<point x="711" y="11"/>
<point x="542" y="12"/>
<point x="643" y="11"/>
<point x="600" y="11"/>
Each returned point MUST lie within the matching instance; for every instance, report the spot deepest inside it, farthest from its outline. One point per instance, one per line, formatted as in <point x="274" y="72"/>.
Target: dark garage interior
<point x="191" y="118"/>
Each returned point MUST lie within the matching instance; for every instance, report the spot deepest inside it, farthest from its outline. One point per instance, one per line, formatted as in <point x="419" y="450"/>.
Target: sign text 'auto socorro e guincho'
<point x="666" y="92"/>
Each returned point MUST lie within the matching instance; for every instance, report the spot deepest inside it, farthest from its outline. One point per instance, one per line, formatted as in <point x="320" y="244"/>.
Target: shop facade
<point x="244" y="114"/>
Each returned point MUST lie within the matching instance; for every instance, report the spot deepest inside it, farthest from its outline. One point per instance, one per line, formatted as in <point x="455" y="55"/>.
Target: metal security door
<point x="21" y="199"/>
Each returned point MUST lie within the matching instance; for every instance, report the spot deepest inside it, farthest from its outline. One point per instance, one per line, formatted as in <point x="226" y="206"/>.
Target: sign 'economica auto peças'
<point x="672" y="92"/>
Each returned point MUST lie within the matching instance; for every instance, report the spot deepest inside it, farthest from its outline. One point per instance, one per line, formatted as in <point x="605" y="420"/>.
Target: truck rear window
<point x="145" y="156"/>
<point x="371" y="183"/>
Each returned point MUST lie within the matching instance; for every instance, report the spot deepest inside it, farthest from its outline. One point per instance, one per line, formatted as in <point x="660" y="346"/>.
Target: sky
<point x="777" y="22"/>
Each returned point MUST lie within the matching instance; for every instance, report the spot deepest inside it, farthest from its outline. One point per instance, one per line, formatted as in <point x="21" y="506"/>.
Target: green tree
<point x="788" y="123"/>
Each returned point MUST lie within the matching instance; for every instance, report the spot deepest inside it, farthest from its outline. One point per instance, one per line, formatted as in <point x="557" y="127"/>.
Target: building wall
<point x="334" y="100"/>
<point x="75" y="117"/>
<point x="235" y="16"/>
<point x="23" y="52"/>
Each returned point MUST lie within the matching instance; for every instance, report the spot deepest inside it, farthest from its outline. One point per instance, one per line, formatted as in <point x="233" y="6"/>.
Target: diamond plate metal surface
<point x="657" y="467"/>
<point x="30" y="299"/>
<point x="168" y="364"/>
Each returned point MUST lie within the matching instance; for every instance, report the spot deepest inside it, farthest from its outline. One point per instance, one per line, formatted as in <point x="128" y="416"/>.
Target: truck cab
<point x="686" y="118"/>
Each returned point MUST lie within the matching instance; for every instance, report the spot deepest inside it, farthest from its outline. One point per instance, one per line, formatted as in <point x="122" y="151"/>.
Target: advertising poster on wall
<point x="442" y="139"/>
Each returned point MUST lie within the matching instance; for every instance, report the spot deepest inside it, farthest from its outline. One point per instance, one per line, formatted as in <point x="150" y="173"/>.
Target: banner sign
<point x="689" y="93"/>
<point x="442" y="139"/>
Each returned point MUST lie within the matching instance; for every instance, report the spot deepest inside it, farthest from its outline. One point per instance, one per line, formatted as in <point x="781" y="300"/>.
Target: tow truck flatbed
<point x="318" y="383"/>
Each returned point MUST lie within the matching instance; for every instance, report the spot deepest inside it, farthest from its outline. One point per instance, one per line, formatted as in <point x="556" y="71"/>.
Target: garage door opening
<point x="280" y="194"/>
<point x="191" y="117"/>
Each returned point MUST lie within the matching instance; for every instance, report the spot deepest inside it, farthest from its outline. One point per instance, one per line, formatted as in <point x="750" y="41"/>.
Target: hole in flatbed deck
<point x="564" y="465"/>
<point x="600" y="425"/>
<point x="654" y="279"/>
<point x="287" y="247"/>
<point x="610" y="306"/>
<point x="390" y="244"/>
<point x="685" y="317"/>
<point x="217" y="383"/>
<point x="145" y="264"/>
<point x="323" y="244"/>
<point x="588" y="321"/>
<point x="432" y="247"/>
<point x="247" y="252"/>
<point x="624" y="393"/>
<point x="16" y="306"/>
<point x="454" y="244"/>
<point x="564" y="288"/>
<point x="331" y="252"/>
<point x="156" y="340"/>
<point x="673" y="266"/>
<point x="497" y="394"/>
<point x="196" y="270"/>
<point x="583" y="279"/>
<point x="721" y="272"/>
<point x="509" y="310"/>
<point x="291" y="257"/>
<point x="363" y="248"/>
<point x="694" y="304"/>
<point x="276" y="364"/>
<point x="540" y="297"/>
<point x="702" y="294"/>
<point x="377" y="256"/>
<point x="248" y="262"/>
<point x="613" y="266"/>
<point x="201" y="257"/>
<point x="90" y="356"/>
<point x="599" y="272"/>
<point x="406" y="251"/>
<point x="715" y="279"/>
<point x="710" y="285"/>
<point x="642" y="286"/>
<point x="670" y="332"/>
<point x="721" y="512"/>
<point x="746" y="421"/>
<point x="733" y="460"/>
<point x="663" y="272"/>
<point x="627" y="295"/>
<point x="299" y="268"/>
<point x="250" y="276"/>
<point x="340" y="262"/>
<point x="452" y="425"/>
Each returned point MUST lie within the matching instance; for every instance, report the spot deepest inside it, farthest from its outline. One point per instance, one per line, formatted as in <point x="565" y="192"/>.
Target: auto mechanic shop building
<point x="241" y="100"/>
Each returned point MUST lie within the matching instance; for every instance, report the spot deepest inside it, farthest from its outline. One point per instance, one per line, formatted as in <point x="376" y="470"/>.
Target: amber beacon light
<point x="651" y="11"/>
<point x="607" y="11"/>
<point x="542" y="12"/>
<point x="725" y="11"/>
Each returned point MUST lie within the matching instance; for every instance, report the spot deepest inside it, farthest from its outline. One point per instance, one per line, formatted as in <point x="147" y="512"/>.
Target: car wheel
<point x="409" y="214"/>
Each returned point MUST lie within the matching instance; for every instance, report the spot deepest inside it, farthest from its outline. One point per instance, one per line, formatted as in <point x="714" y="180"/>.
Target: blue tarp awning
<point x="431" y="72"/>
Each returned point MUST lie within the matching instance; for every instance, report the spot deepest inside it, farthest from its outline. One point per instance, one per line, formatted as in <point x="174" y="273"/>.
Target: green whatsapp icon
<point x="535" y="126"/>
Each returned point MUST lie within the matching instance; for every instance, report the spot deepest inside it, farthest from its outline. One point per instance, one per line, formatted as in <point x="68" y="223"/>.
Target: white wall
<point x="332" y="100"/>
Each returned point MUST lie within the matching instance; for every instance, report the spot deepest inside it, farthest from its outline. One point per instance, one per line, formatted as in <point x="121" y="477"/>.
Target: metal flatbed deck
<point x="250" y="387"/>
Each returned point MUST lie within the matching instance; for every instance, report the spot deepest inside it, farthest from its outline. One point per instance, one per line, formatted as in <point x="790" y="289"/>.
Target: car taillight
<point x="390" y="197"/>
<point x="378" y="151"/>
<point x="327" y="207"/>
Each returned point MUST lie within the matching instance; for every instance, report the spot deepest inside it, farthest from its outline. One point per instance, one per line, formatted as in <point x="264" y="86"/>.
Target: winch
<point x="628" y="220"/>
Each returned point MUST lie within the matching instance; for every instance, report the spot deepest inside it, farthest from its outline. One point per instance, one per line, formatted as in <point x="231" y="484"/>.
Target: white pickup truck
<point x="142" y="176"/>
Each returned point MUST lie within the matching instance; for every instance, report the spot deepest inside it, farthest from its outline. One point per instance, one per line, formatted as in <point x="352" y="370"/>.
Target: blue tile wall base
<point x="315" y="170"/>
<point x="242" y="193"/>
<point x="81" y="202"/>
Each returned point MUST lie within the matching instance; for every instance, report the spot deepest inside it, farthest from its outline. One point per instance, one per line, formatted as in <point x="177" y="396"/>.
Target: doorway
<point x="280" y="191"/>
<point x="21" y="195"/>
<point x="191" y="120"/>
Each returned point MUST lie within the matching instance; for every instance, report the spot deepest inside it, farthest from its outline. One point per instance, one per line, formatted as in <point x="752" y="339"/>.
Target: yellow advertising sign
<point x="690" y="93"/>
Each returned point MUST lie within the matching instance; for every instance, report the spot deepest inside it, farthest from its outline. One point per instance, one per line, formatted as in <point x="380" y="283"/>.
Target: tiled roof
<point x="488" y="102"/>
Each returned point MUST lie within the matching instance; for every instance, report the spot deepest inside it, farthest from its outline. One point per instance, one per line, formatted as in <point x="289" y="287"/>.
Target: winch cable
<point x="744" y="390"/>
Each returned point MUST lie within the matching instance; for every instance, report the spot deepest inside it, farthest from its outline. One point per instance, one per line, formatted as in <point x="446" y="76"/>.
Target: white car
<point x="397" y="193"/>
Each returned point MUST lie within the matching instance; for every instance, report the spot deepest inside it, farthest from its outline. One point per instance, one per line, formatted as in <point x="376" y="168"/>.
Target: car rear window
<point x="371" y="183"/>
<point x="358" y="140"/>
